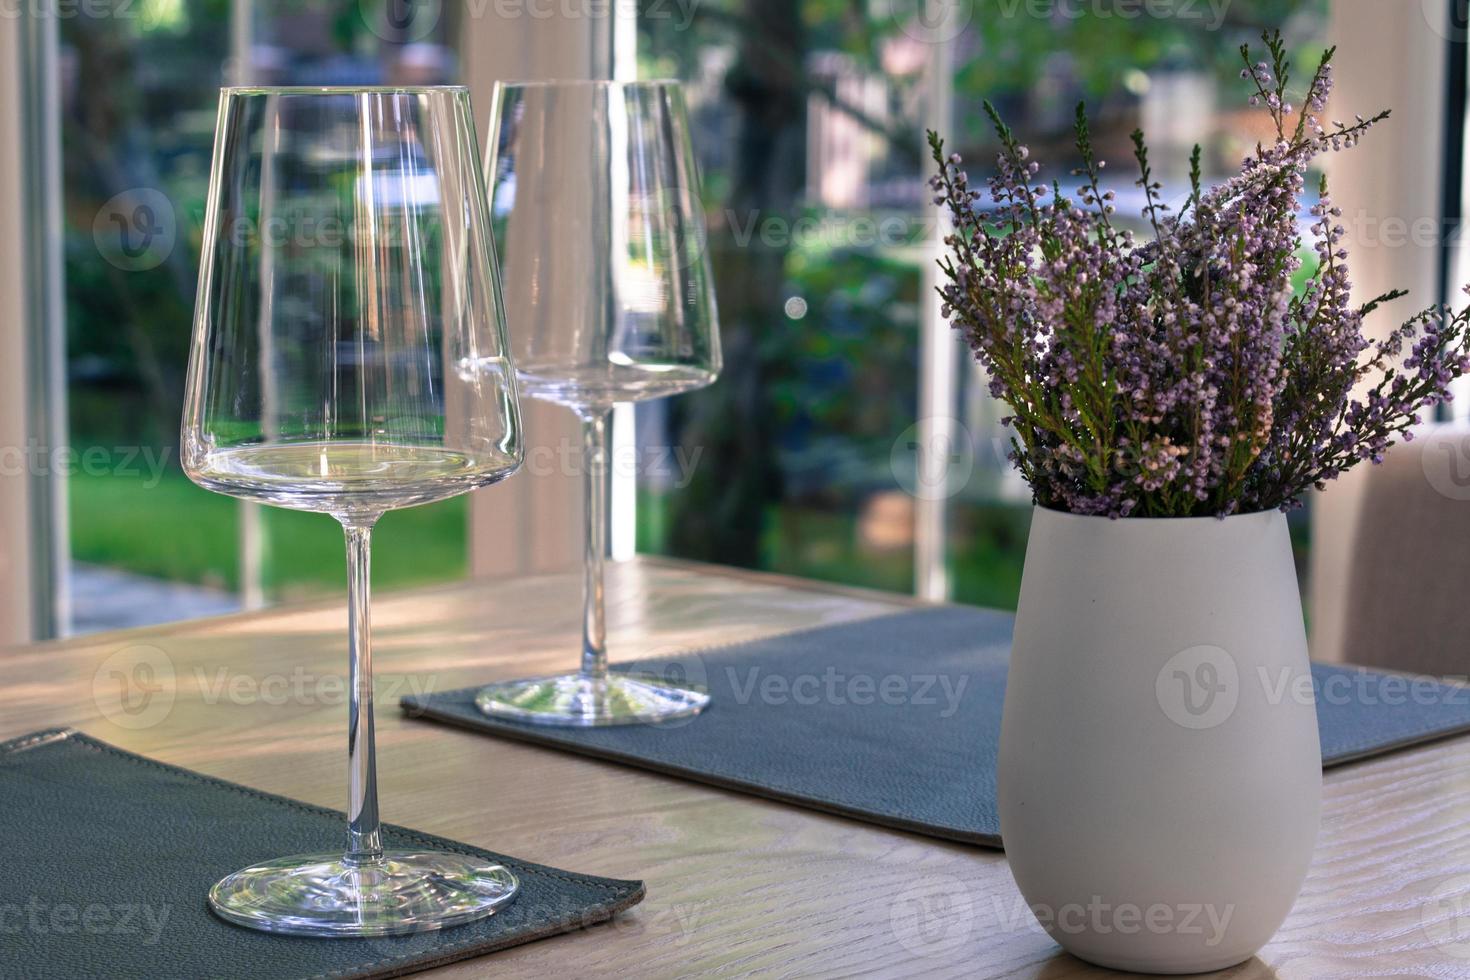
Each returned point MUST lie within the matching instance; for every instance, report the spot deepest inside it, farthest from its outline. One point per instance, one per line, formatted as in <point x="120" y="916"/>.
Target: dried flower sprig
<point x="1183" y="376"/>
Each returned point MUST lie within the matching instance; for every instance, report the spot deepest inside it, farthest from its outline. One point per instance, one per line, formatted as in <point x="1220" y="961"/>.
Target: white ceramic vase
<point x="1160" y="773"/>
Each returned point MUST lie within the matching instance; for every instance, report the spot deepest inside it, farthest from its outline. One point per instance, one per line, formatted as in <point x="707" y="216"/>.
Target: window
<point x="138" y="93"/>
<point x="850" y="439"/>
<point x="812" y="456"/>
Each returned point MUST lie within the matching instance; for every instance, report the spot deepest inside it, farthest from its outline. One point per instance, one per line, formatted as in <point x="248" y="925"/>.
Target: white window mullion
<point x="42" y="339"/>
<point x="938" y="351"/>
<point x="17" y="581"/>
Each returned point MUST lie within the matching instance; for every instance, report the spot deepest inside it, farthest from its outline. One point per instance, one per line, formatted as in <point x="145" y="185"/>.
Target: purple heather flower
<point x="1183" y="376"/>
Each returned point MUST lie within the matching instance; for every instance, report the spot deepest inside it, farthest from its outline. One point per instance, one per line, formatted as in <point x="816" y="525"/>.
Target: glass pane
<point x="809" y="154"/>
<point x="809" y="118"/>
<point x="138" y="104"/>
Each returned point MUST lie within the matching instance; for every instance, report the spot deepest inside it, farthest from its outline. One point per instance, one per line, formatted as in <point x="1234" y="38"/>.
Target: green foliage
<point x="850" y="366"/>
<point x="174" y="530"/>
<point x="177" y="531"/>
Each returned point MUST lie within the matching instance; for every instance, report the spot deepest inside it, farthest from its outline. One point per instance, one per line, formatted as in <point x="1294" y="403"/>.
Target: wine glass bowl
<point x="596" y="211"/>
<point x="599" y="222"/>
<point x="602" y="388"/>
<point x="349" y="357"/>
<point x="349" y="346"/>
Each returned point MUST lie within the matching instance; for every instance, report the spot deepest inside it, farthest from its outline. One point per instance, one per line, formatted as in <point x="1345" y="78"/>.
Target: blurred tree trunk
<point x="721" y="514"/>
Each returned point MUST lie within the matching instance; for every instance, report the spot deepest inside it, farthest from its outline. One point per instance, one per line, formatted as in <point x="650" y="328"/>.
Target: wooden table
<point x="736" y="885"/>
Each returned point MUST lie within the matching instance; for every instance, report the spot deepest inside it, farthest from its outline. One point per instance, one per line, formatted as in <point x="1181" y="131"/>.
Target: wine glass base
<point x="322" y="895"/>
<point x="576" y="700"/>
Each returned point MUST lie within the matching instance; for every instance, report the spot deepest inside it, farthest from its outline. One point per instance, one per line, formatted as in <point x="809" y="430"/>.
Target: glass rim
<point x="650" y="83"/>
<point x="233" y="90"/>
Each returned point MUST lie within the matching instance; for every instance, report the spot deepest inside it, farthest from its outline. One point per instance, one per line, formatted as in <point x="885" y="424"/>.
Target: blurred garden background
<point x="808" y="122"/>
<point x="139" y="94"/>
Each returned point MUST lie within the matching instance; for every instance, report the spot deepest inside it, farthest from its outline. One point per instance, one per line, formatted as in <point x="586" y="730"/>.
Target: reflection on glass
<point x="610" y="295"/>
<point x="349" y="358"/>
<point x="137" y="90"/>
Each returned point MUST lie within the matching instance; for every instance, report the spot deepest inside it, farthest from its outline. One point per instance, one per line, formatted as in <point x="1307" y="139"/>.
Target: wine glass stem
<point x="594" y="630"/>
<point x="364" y="840"/>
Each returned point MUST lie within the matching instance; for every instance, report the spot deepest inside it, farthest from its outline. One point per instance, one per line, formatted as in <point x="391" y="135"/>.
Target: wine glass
<point x="349" y="357"/>
<point x="595" y="200"/>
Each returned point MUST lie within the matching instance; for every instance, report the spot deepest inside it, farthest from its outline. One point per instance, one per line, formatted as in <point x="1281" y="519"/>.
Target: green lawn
<point x="177" y="531"/>
<point x="987" y="541"/>
<point x="173" y="531"/>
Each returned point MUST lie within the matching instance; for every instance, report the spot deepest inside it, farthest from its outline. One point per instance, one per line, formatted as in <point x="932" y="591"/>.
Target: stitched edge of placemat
<point x="1363" y="751"/>
<point x="393" y="966"/>
<point x="420" y="706"/>
<point x="423" y="706"/>
<point x="532" y="735"/>
<point x="414" y="705"/>
<point x="1366" y="753"/>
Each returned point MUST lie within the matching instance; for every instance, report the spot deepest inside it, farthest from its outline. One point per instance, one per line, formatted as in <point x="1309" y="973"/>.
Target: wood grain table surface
<point x="736" y="885"/>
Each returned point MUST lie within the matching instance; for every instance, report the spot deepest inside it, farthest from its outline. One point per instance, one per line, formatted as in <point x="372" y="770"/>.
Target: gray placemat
<point x="896" y="720"/>
<point x="108" y="857"/>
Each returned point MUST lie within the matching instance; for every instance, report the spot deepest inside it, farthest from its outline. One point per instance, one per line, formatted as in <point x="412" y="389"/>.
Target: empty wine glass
<point x="599" y="225"/>
<point x="349" y="357"/>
